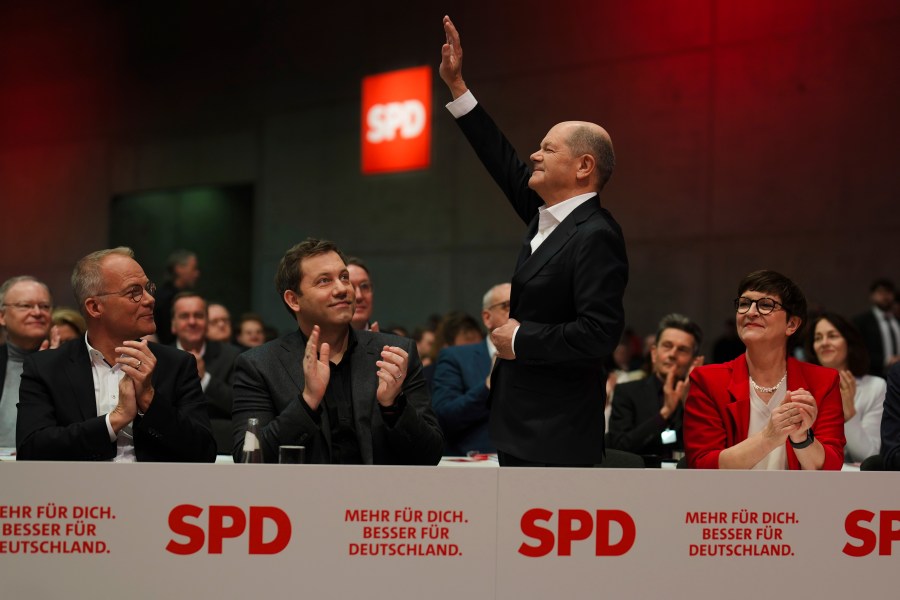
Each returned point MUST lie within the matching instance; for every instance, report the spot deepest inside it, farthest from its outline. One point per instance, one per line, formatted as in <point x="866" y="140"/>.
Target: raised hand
<point x="391" y="374"/>
<point x="848" y="394"/>
<point x="51" y="343"/>
<point x="138" y="363"/>
<point x="316" y="369"/>
<point x="451" y="61"/>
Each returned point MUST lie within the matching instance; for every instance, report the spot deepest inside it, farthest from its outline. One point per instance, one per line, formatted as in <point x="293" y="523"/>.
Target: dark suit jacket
<point x="717" y="411"/>
<point x="635" y="424"/>
<point x="459" y="398"/>
<point x="58" y="417"/>
<point x="547" y="404"/>
<point x="219" y="359"/>
<point x="269" y="382"/>
<point x="4" y="356"/>
<point x="867" y="324"/>
<point x="890" y="421"/>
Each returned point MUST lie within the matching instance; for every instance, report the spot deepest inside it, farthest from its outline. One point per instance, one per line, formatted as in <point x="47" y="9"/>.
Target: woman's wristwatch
<point x="810" y="438"/>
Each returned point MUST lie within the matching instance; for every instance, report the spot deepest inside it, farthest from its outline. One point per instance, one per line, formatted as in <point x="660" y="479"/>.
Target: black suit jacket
<point x="547" y="404"/>
<point x="269" y="382"/>
<point x="867" y="324"/>
<point x="890" y="421"/>
<point x="219" y="359"/>
<point x="4" y="356"/>
<point x="58" y="417"/>
<point x="635" y="424"/>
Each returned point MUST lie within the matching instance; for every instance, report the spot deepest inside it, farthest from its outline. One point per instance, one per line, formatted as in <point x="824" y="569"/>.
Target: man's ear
<point x="587" y="164"/>
<point x="93" y="307"/>
<point x="292" y="299"/>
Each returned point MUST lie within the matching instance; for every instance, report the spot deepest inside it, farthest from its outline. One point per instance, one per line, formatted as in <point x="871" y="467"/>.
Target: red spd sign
<point x="396" y="121"/>
<point x="227" y="522"/>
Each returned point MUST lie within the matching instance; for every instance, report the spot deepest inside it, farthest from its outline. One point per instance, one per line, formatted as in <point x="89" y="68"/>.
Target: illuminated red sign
<point x="396" y="121"/>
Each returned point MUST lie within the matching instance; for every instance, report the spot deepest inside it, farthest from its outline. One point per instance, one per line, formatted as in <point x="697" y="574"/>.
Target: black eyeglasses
<point x="135" y="292"/>
<point x="765" y="306"/>
<point x="500" y="305"/>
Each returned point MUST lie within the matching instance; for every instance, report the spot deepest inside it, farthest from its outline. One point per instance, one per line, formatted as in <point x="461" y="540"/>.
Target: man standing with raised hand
<point x="566" y="313"/>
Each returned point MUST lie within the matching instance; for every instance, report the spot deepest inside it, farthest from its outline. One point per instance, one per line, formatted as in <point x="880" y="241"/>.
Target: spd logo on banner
<point x="396" y="121"/>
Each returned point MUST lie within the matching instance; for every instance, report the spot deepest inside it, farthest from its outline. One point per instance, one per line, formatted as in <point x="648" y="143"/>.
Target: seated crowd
<point x="147" y="374"/>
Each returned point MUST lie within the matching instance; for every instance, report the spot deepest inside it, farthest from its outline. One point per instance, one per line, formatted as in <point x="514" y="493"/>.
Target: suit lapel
<point x="79" y="372"/>
<point x="290" y="356"/>
<point x="364" y="384"/>
<point x="555" y="241"/>
<point x="739" y="389"/>
<point x="525" y="250"/>
<point x="795" y="378"/>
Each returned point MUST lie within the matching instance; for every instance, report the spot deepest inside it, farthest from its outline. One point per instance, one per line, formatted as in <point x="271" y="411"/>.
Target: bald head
<point x="590" y="138"/>
<point x="575" y="158"/>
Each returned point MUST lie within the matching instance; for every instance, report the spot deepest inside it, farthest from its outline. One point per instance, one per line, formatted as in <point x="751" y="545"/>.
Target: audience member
<point x="424" y="337"/>
<point x="25" y="305"/>
<point x="398" y="330"/>
<point x="727" y="346"/>
<point x="456" y="328"/>
<point x="833" y="342"/>
<point x="879" y="327"/>
<point x="182" y="274"/>
<point x="349" y="396"/>
<point x="647" y="414"/>
<point x="758" y="411"/>
<point x="215" y="363"/>
<point x="365" y="294"/>
<point x="890" y="422"/>
<point x="112" y="395"/>
<point x="462" y="382"/>
<point x="218" y="326"/>
<point x="250" y="331"/>
<point x="69" y="323"/>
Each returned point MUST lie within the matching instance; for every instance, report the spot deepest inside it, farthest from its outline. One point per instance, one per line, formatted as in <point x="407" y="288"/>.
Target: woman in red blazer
<point x="765" y="410"/>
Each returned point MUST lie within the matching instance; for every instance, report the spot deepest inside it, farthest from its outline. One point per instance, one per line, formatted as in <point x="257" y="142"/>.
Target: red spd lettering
<point x="228" y="522"/>
<point x="576" y="525"/>
<point x="869" y="539"/>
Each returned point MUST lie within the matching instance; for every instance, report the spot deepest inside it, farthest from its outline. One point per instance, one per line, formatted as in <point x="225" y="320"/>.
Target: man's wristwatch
<point x="810" y="438"/>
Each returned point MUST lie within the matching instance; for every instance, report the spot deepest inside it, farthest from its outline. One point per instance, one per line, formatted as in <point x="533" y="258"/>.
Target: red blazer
<point x="717" y="411"/>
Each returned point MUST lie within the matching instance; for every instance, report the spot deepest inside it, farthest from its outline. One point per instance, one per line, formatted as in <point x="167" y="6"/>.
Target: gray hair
<point x="586" y="140"/>
<point x="7" y="285"/>
<point x="678" y="321"/>
<point x="486" y="300"/>
<point x="87" y="277"/>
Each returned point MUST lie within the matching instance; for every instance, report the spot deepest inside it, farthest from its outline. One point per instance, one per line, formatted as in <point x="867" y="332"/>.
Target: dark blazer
<point x="459" y="398"/>
<point x="717" y="411"/>
<point x="890" y="421"/>
<point x="58" y="417"/>
<point x="635" y="424"/>
<point x="219" y="359"/>
<point x="4" y="356"/>
<point x="867" y="324"/>
<point x="547" y="404"/>
<point x="269" y="382"/>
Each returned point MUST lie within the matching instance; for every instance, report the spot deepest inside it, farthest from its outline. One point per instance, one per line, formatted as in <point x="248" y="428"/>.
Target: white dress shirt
<point x="106" y="394"/>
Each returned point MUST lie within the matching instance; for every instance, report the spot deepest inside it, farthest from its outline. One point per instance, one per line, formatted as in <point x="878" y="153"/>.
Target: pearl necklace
<point x="767" y="390"/>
